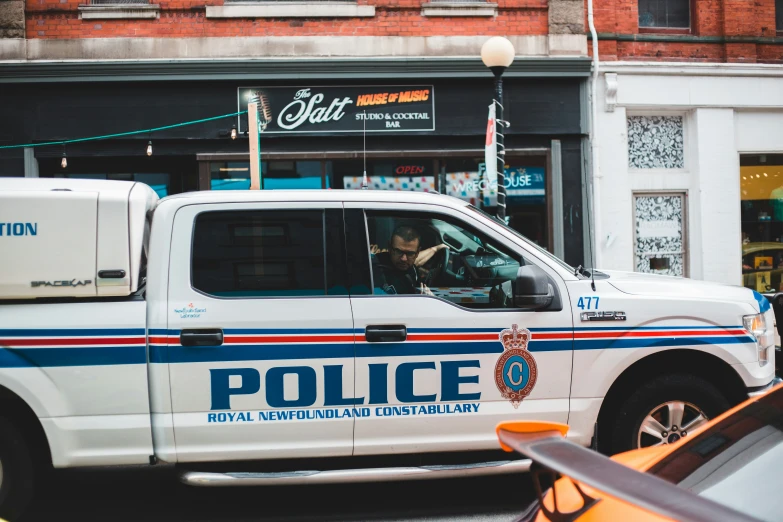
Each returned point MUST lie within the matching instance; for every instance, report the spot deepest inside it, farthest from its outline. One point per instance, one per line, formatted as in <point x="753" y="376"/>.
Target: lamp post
<point x="254" y="128"/>
<point x="497" y="53"/>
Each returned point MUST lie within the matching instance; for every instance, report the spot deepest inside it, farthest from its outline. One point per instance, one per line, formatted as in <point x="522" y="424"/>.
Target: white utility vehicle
<point x="286" y="337"/>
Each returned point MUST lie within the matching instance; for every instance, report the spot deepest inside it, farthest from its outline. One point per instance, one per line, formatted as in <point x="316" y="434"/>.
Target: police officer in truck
<point x="400" y="269"/>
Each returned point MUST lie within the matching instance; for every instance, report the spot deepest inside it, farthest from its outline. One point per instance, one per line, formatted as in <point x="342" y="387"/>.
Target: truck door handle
<point x="395" y="333"/>
<point x="207" y="337"/>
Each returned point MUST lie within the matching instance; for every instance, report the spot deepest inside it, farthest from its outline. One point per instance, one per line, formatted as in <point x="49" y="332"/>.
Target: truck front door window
<point x="423" y="255"/>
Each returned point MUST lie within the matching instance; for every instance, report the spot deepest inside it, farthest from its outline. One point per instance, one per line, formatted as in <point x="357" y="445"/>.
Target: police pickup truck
<point x="248" y="337"/>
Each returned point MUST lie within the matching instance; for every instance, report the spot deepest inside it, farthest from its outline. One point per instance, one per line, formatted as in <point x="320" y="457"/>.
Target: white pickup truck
<point x="294" y="337"/>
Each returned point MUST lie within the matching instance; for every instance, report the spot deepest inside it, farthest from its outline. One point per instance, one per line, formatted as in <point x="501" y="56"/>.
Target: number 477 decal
<point x="586" y="303"/>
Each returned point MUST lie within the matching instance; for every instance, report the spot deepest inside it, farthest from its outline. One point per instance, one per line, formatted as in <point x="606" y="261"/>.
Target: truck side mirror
<point x="532" y="290"/>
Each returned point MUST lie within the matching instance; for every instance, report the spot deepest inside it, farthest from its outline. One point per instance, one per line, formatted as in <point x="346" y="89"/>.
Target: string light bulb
<point x="149" y="148"/>
<point x="64" y="161"/>
<point x="234" y="132"/>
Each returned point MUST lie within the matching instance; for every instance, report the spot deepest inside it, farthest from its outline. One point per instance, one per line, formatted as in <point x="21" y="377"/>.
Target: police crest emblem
<point x="516" y="371"/>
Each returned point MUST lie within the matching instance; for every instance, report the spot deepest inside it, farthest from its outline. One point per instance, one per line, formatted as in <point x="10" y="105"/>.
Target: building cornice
<point x="325" y="68"/>
<point x="692" y="69"/>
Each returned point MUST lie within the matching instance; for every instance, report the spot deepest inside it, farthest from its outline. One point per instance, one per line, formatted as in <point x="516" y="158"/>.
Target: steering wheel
<point x="453" y="278"/>
<point x="445" y="253"/>
<point x="436" y="265"/>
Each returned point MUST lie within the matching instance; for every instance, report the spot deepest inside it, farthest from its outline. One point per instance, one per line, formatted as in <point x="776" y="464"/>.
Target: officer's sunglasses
<point x="410" y="254"/>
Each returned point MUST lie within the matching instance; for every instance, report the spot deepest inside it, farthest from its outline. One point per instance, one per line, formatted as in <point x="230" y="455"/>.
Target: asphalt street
<point x="154" y="494"/>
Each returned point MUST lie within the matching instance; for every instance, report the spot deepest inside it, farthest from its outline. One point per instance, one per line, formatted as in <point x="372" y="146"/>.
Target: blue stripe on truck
<point x="58" y="357"/>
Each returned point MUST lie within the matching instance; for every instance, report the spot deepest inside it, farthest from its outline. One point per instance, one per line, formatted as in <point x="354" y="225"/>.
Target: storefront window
<point x="414" y="174"/>
<point x="293" y="175"/>
<point x="229" y="175"/>
<point x="159" y="182"/>
<point x="761" y="186"/>
<point x="276" y="175"/>
<point x="526" y="195"/>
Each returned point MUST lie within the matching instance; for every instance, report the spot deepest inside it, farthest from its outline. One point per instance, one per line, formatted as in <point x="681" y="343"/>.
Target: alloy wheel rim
<point x="669" y="422"/>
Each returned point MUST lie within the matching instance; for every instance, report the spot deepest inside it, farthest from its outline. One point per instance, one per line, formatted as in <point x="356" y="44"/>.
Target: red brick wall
<point x="186" y="18"/>
<point x="708" y="17"/>
<point x="718" y="21"/>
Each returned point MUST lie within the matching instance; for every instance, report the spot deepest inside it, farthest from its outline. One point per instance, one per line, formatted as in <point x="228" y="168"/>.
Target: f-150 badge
<point x="516" y="371"/>
<point x="603" y="316"/>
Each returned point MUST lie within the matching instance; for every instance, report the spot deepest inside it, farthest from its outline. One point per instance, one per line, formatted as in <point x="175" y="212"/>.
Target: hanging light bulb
<point x="234" y="132"/>
<point x="64" y="162"/>
<point x="149" y="148"/>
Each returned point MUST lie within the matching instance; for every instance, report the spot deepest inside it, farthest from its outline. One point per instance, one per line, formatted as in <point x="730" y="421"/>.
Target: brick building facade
<point x="214" y="18"/>
<point x="733" y="31"/>
<point x="552" y="28"/>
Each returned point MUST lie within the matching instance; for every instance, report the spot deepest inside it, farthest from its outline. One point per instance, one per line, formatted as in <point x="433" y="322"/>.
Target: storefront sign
<point x="409" y="170"/>
<point x="520" y="182"/>
<point x="527" y="182"/>
<point x="463" y="185"/>
<point x="334" y="109"/>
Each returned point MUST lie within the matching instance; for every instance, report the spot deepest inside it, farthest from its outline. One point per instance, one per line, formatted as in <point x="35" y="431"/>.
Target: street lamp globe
<point x="497" y="52"/>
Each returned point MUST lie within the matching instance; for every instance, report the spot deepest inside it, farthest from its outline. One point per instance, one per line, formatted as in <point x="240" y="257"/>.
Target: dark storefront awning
<point x="285" y="69"/>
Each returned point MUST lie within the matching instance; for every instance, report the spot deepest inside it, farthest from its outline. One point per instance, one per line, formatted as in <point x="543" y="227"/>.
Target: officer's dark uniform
<point x="392" y="280"/>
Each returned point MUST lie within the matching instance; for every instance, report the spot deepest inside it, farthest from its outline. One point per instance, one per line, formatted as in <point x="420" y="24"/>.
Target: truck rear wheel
<point x="16" y="471"/>
<point x="664" y="410"/>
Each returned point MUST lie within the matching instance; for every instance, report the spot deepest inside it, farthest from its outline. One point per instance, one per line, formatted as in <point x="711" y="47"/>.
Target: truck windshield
<point x="736" y="462"/>
<point x="544" y="252"/>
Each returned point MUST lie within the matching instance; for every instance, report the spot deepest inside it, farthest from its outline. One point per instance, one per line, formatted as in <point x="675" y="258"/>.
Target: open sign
<point x="409" y="170"/>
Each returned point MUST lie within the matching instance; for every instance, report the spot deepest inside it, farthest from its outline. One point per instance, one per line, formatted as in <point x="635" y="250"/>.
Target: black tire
<point x="18" y="472"/>
<point x="674" y="387"/>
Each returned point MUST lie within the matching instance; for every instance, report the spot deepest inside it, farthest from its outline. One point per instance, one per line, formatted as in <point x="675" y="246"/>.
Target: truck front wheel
<point x="16" y="471"/>
<point x="664" y="410"/>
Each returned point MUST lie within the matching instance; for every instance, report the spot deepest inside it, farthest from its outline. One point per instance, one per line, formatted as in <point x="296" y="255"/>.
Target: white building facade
<point x="690" y="171"/>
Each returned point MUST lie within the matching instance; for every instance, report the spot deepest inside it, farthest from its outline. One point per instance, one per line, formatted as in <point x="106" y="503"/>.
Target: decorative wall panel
<point x="655" y="142"/>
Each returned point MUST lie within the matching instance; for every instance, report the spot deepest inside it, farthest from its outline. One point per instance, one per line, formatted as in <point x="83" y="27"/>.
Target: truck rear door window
<point x="260" y="253"/>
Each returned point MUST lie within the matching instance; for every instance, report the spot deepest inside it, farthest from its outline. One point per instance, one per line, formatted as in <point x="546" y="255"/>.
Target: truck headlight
<point x="756" y="325"/>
